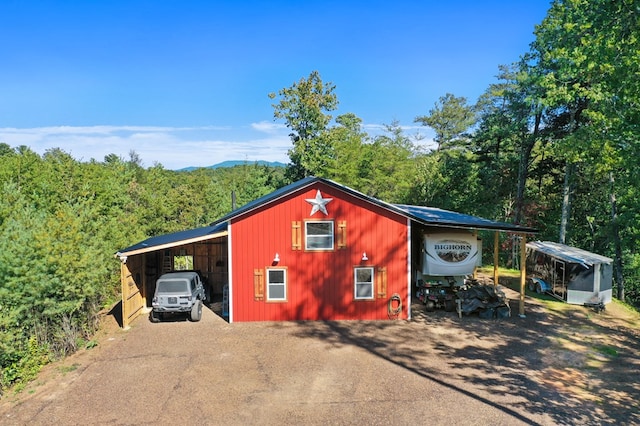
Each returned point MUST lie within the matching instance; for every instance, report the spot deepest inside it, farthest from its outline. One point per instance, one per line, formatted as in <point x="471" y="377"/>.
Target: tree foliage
<point x="559" y="128"/>
<point x="451" y="117"/>
<point x="586" y="60"/>
<point x="304" y="107"/>
<point x="61" y="221"/>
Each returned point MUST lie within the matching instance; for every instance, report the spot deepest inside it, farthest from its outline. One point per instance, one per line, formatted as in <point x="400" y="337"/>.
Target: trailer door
<point x="558" y="280"/>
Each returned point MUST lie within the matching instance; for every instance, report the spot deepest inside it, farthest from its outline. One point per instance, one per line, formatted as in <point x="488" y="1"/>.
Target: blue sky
<point x="186" y="83"/>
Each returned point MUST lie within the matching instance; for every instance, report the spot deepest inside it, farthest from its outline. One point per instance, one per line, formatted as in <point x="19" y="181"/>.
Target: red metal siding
<point x="320" y="285"/>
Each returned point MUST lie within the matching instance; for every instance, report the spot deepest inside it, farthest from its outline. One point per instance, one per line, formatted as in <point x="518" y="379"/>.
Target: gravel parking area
<point x="435" y="369"/>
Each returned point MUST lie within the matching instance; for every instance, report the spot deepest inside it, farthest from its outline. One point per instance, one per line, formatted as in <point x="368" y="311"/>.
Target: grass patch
<point x="594" y="365"/>
<point x="91" y="344"/>
<point x="502" y="272"/>
<point x="554" y="304"/>
<point x="630" y="309"/>
<point x="64" y="369"/>
<point x="607" y="350"/>
<point x="602" y="355"/>
<point x="628" y="312"/>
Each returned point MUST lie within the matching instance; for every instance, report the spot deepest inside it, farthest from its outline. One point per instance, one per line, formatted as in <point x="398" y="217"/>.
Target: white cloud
<point x="173" y="147"/>
<point x="268" y="127"/>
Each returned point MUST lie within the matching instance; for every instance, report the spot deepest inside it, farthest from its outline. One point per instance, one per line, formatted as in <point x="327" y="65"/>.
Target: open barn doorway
<point x="141" y="270"/>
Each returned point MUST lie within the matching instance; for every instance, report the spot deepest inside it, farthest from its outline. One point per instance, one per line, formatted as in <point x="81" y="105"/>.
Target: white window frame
<point x="358" y="284"/>
<point x="308" y="236"/>
<point x="278" y="284"/>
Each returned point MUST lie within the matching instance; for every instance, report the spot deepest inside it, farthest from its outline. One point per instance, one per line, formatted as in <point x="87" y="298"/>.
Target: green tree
<point x="392" y="166"/>
<point x="382" y="167"/>
<point x="62" y="220"/>
<point x="351" y="161"/>
<point x="586" y="55"/>
<point x="304" y="107"/>
<point x="511" y="125"/>
<point x="450" y="118"/>
<point x="447" y="180"/>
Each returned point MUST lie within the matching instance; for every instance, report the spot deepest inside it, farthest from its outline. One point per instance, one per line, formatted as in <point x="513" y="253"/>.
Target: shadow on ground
<point x="116" y="313"/>
<point x="570" y="364"/>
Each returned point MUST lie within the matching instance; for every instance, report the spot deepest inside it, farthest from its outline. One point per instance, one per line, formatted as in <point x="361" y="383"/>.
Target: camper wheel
<point x="531" y="285"/>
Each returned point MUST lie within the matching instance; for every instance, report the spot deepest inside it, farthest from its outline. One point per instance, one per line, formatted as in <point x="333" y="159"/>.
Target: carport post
<point x="523" y="272"/>
<point x="496" y="257"/>
<point x="125" y="313"/>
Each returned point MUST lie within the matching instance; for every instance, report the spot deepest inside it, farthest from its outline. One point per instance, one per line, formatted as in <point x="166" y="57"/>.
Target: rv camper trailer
<point x="569" y="273"/>
<point x="446" y="259"/>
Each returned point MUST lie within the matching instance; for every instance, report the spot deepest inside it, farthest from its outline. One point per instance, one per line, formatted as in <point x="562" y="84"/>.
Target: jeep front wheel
<point x="430" y="306"/>
<point x="196" y="311"/>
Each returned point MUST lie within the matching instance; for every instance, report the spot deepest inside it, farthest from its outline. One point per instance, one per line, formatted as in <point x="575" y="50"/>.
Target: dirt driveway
<point x="560" y="365"/>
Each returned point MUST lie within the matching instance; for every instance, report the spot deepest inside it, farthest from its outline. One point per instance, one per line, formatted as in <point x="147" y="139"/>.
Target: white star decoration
<point x="319" y="203"/>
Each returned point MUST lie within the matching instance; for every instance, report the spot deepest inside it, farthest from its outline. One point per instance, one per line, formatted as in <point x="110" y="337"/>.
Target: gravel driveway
<point x="435" y="369"/>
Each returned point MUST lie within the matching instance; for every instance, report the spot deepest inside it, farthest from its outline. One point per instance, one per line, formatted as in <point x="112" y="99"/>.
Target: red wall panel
<point x="319" y="284"/>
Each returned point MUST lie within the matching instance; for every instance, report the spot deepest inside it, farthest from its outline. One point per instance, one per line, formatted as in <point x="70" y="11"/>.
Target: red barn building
<point x="313" y="250"/>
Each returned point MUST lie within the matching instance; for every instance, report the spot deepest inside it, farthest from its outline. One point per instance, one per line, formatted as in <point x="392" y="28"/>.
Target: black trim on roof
<point x="425" y="215"/>
<point x="269" y="198"/>
<point x="439" y="217"/>
<point x="175" y="237"/>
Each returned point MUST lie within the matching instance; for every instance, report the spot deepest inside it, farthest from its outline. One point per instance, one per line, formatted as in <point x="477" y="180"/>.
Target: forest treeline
<point x="61" y="223"/>
<point x="553" y="144"/>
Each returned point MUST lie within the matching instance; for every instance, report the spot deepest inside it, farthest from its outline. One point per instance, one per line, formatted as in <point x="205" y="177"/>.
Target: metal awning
<point x="569" y="253"/>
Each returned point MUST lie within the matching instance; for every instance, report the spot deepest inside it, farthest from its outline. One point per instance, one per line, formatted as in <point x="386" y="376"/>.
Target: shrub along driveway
<point x="560" y="365"/>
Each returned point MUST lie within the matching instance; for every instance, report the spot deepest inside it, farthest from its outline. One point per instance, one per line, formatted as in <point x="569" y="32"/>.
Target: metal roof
<point x="568" y="253"/>
<point x="177" y="238"/>
<point x="269" y="198"/>
<point x="439" y="217"/>
<point x="179" y="275"/>
<point x="425" y="215"/>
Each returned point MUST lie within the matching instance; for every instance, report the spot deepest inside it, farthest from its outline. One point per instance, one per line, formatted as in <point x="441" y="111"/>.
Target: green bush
<point x="25" y="366"/>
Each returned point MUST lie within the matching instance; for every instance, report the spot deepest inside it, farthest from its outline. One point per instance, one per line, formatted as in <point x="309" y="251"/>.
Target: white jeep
<point x="178" y="292"/>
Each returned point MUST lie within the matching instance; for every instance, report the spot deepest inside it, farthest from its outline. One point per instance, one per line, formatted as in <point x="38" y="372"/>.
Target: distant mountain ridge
<point x="233" y="163"/>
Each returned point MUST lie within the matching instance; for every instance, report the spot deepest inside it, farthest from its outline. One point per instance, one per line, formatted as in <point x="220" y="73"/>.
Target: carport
<point x="202" y="249"/>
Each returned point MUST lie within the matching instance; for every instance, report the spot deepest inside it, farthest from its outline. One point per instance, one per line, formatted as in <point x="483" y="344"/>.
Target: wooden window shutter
<point x="296" y="235"/>
<point x="342" y="234"/>
<point x="258" y="285"/>
<point x="382" y="282"/>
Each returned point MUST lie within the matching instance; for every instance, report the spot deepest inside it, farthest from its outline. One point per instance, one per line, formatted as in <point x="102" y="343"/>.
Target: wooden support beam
<point x="475" y="268"/>
<point x="496" y="257"/>
<point x="123" y="283"/>
<point x="124" y="313"/>
<point x="523" y="272"/>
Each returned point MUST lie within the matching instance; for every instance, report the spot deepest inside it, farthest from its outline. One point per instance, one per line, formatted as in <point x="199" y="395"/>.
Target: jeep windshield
<point x="173" y="286"/>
